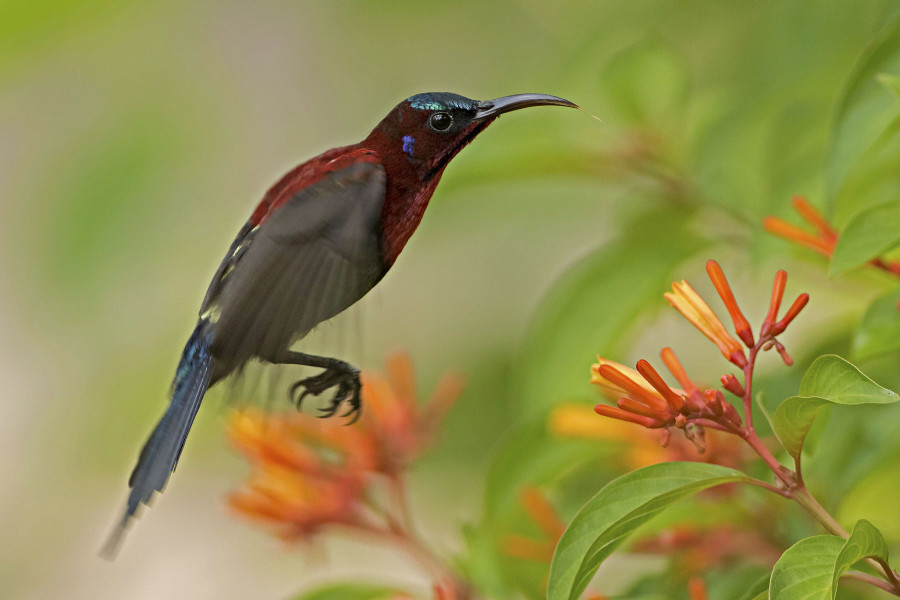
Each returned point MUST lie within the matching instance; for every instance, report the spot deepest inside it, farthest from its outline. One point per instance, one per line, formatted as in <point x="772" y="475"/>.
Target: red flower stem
<point x="748" y="433"/>
<point x="892" y="267"/>
<point x="783" y="473"/>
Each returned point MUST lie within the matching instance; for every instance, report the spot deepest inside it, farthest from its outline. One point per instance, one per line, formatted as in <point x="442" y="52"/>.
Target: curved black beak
<point x="492" y="108"/>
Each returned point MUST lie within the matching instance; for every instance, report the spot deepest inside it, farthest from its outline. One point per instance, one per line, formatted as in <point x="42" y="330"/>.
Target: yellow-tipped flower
<point x="691" y="305"/>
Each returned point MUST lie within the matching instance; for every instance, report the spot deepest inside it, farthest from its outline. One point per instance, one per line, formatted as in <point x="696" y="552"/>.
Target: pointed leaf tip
<point x="829" y="380"/>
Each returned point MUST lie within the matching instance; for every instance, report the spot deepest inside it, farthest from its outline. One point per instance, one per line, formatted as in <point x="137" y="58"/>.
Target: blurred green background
<point x="135" y="139"/>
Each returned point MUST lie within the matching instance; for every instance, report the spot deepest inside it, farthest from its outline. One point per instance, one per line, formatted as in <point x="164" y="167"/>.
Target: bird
<point x="323" y="236"/>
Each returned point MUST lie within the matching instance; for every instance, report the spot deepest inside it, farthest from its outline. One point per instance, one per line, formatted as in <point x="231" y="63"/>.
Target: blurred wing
<point x="311" y="259"/>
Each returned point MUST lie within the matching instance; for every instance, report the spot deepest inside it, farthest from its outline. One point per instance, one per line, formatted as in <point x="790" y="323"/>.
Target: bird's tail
<point x="161" y="451"/>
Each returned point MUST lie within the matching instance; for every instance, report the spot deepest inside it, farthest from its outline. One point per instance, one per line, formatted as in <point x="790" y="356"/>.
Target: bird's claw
<point x="348" y="390"/>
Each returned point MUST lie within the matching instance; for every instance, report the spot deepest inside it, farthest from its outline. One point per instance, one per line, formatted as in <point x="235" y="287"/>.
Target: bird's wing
<point x="235" y="252"/>
<point x="314" y="256"/>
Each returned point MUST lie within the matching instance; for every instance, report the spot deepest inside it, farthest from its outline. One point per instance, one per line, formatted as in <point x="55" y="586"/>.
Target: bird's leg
<point x="337" y="373"/>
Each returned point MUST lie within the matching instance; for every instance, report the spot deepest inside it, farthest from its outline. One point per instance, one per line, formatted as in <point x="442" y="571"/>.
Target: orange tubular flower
<point x="777" y="295"/>
<point x="545" y="517"/>
<point x="741" y="325"/>
<point x="772" y="328"/>
<point x="811" y="215"/>
<point x="674" y="366"/>
<point x="697" y="589"/>
<point x="624" y="379"/>
<point x="691" y="305"/>
<point x="792" y="233"/>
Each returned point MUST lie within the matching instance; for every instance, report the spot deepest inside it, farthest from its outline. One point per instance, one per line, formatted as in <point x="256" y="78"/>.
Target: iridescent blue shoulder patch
<point x="409" y="142"/>
<point x="442" y="101"/>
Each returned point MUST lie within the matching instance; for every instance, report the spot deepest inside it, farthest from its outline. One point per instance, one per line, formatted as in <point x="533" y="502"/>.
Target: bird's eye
<point x="440" y="121"/>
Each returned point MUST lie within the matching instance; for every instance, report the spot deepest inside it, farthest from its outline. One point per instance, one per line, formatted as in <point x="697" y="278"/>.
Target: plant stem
<point x="872" y="580"/>
<point x="783" y="473"/>
<point x="802" y="496"/>
<point x="748" y="384"/>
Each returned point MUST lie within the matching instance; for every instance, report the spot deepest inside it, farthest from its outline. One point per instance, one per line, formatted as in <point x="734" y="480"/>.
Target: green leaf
<point x="350" y="591"/>
<point x="793" y="418"/>
<point x="617" y="510"/>
<point x="811" y="568"/>
<point x="829" y="380"/>
<point x="866" y="108"/>
<point x="879" y="331"/>
<point x="868" y="234"/>
<point x="865" y="541"/>
<point x="805" y="570"/>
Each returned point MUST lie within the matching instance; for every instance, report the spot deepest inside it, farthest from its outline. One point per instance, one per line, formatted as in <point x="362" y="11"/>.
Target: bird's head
<point x="427" y="130"/>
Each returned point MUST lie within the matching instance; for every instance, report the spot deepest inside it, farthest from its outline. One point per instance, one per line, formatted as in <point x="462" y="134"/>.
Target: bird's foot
<point x="342" y="376"/>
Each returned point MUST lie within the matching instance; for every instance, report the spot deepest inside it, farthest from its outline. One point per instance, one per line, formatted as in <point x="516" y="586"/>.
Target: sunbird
<point x="319" y="240"/>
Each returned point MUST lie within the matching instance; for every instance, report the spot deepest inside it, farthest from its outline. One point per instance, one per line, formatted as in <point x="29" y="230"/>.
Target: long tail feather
<point x="160" y="453"/>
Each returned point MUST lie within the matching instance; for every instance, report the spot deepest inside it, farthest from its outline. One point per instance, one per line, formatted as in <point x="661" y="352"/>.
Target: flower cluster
<point x="309" y="472"/>
<point x="306" y="473"/>
<point x="822" y="241"/>
<point x="644" y="398"/>
<point x="635" y="447"/>
<point x="825" y="237"/>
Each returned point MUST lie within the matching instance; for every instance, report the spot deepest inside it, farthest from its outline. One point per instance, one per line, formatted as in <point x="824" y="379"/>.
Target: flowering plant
<point x="671" y="486"/>
<point x="645" y="399"/>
